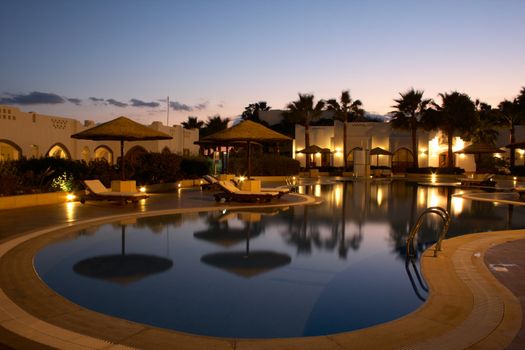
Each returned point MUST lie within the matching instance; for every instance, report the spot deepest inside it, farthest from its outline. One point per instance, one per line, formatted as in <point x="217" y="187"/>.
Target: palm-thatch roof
<point x="121" y="129"/>
<point x="516" y="145"/>
<point x="312" y="149"/>
<point x="245" y="131"/>
<point x="478" y="148"/>
<point x="379" y="151"/>
<point x="247" y="264"/>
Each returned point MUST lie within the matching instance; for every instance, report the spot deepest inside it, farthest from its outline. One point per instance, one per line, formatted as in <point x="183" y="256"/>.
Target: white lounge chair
<point x="97" y="191"/>
<point x="231" y="193"/>
<point x="477" y="180"/>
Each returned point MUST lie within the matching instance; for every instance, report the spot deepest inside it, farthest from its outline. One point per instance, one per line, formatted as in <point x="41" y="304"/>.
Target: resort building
<point x="29" y="134"/>
<point x="364" y="136"/>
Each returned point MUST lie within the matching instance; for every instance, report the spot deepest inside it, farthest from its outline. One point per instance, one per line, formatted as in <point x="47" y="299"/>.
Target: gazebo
<point x="121" y="129"/>
<point x="477" y="149"/>
<point x="246" y="132"/>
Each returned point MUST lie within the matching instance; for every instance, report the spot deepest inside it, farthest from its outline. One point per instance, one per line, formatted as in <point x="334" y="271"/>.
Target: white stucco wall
<point x="35" y="134"/>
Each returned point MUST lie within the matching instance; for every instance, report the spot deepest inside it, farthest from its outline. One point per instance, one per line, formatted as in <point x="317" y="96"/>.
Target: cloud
<point x="116" y="103"/>
<point x="220" y="105"/>
<point x="75" y="101"/>
<point x="177" y="106"/>
<point x="201" y="106"/>
<point x="139" y="103"/>
<point x="32" y="98"/>
<point x="96" y="99"/>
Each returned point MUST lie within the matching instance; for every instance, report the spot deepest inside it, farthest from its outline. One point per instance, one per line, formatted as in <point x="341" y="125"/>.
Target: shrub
<point x="154" y="168"/>
<point x="195" y="167"/>
<point x="9" y="179"/>
<point x="264" y="165"/>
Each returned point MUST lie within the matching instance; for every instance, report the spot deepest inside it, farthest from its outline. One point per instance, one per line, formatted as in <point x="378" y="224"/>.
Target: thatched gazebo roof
<point x="378" y="151"/>
<point x="119" y="129"/>
<point x="312" y="149"/>
<point x="247" y="264"/>
<point x="247" y="131"/>
<point x="479" y="148"/>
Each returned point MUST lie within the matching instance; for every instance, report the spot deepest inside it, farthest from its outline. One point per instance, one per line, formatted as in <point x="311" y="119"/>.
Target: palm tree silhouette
<point x="408" y="114"/>
<point x="214" y="124"/>
<point x="304" y="111"/>
<point x="509" y="116"/>
<point x="192" y="123"/>
<point x="455" y="115"/>
<point x="251" y="112"/>
<point x="345" y="110"/>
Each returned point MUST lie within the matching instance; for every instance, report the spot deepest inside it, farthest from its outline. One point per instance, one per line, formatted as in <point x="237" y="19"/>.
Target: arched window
<point x="9" y="150"/>
<point x="166" y="150"/>
<point x="134" y="152"/>
<point x="402" y="159"/>
<point x="350" y="157"/>
<point x="58" y="150"/>
<point x="85" y="154"/>
<point x="104" y="152"/>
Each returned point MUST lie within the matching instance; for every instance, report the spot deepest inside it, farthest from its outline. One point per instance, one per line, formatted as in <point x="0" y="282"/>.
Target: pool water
<point x="297" y="271"/>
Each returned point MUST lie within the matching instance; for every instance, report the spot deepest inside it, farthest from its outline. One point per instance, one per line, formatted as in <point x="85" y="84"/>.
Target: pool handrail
<point x="443" y="214"/>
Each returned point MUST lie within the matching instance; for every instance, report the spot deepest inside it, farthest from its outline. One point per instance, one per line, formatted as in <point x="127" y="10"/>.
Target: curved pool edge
<point x="466" y="305"/>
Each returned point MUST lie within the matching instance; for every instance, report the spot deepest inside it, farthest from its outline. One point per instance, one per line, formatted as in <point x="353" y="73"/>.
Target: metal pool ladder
<point x="443" y="214"/>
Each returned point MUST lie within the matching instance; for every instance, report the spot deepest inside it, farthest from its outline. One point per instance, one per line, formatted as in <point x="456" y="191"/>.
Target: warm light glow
<point x="422" y="197"/>
<point x="433" y="197"/>
<point x="458" y="145"/>
<point x="434" y="146"/>
<point x="70" y="211"/>
<point x="317" y="190"/>
<point x="423" y="152"/>
<point x="379" y="196"/>
<point x="242" y="178"/>
<point x="433" y="178"/>
<point x="142" y="189"/>
<point x="318" y="154"/>
<point x="462" y="156"/>
<point x="457" y="205"/>
<point x="179" y="185"/>
<point x="497" y="155"/>
<point x="521" y="152"/>
<point x="70" y="197"/>
<point x="337" y="196"/>
<point x="515" y="178"/>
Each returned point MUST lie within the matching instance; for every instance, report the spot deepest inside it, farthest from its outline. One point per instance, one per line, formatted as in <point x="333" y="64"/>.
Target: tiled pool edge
<point x="427" y="327"/>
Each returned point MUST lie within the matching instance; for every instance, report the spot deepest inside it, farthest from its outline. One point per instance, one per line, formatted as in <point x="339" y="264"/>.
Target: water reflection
<point x="122" y="268"/>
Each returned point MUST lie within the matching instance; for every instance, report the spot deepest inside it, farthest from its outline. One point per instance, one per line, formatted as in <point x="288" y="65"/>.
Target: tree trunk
<point x="414" y="146"/>
<point x="345" y="155"/>
<point x="307" y="144"/>
<point x="512" y="150"/>
<point x="450" y="134"/>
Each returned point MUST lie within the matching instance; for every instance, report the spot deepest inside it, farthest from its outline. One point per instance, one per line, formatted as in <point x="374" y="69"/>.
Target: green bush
<point x="154" y="168"/>
<point x="264" y="165"/>
<point x="195" y="167"/>
<point x="9" y="179"/>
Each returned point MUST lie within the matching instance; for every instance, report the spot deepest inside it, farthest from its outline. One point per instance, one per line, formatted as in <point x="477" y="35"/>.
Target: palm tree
<point x="484" y="131"/>
<point x="192" y="123"/>
<point x="303" y="111"/>
<point x="457" y="114"/>
<point x="214" y="124"/>
<point x="345" y="111"/>
<point x="511" y="113"/>
<point x="251" y="112"/>
<point x="408" y="113"/>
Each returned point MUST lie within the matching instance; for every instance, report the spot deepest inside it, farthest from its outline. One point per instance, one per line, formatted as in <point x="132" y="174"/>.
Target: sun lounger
<point x="281" y="190"/>
<point x="479" y="180"/>
<point x="231" y="193"/>
<point x="211" y="183"/>
<point x="97" y="191"/>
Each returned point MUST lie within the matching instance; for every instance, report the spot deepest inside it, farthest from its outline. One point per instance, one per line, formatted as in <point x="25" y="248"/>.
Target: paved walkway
<point x="464" y="298"/>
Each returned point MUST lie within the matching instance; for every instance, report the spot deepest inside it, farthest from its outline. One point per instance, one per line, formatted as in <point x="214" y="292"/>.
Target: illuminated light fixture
<point x="515" y="178"/>
<point x="179" y="185"/>
<point x="70" y="197"/>
<point x="142" y="189"/>
<point x="242" y="178"/>
<point x="293" y="178"/>
<point x="423" y="153"/>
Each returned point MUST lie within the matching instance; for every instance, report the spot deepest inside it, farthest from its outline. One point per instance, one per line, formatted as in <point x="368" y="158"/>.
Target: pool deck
<point x="476" y="301"/>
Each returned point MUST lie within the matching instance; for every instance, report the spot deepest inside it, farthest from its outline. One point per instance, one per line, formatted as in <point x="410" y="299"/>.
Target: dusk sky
<point x="101" y="59"/>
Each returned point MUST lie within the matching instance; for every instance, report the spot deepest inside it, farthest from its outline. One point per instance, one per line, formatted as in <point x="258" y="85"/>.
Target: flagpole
<point x="168" y="112"/>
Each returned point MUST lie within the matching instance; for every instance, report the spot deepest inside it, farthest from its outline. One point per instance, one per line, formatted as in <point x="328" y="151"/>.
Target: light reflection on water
<point x="303" y="270"/>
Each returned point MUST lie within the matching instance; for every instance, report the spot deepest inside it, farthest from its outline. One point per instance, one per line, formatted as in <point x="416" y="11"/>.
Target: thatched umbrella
<point x="377" y="151"/>
<point x="477" y="149"/>
<point x="246" y="132"/>
<point x="121" y="129"/>
<point x="312" y="149"/>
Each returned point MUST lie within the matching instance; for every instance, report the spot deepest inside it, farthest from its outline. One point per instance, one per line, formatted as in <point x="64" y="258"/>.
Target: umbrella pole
<point x="123" y="249"/>
<point x="122" y="160"/>
<point x="249" y="165"/>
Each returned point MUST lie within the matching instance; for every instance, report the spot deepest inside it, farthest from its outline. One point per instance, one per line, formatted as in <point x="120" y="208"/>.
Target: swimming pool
<point x="297" y="271"/>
